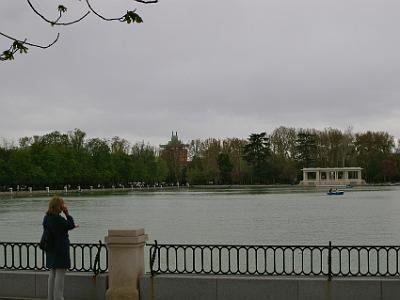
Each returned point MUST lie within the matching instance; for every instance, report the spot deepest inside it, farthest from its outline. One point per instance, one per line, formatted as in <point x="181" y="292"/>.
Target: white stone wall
<point x="33" y="285"/>
<point x="199" y="287"/>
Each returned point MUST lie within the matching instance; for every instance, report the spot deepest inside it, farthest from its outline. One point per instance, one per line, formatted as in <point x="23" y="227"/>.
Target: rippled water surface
<point x="262" y="216"/>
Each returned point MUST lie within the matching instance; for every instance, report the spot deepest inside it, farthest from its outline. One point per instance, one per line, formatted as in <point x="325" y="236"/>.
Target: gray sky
<point x="205" y="68"/>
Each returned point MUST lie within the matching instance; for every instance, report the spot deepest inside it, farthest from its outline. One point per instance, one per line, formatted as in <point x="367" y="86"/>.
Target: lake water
<point x="247" y="216"/>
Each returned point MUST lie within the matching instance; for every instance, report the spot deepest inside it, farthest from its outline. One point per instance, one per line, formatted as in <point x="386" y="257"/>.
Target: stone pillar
<point x="126" y="263"/>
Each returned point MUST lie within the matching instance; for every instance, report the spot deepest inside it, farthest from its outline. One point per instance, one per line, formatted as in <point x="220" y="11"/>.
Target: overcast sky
<point x="204" y="68"/>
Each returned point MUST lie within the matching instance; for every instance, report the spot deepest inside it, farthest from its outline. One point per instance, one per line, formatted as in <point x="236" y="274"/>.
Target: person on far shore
<point x="58" y="260"/>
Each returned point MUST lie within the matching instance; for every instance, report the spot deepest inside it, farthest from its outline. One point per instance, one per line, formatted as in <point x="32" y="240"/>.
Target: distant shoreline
<point x="85" y="191"/>
<point x="176" y="188"/>
<point x="135" y="189"/>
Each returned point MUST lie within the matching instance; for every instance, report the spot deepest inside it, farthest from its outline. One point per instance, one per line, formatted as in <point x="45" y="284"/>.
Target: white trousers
<point x="55" y="287"/>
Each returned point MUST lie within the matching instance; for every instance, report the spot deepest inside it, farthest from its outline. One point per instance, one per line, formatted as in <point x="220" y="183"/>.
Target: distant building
<point x="175" y="154"/>
<point x="332" y="176"/>
<point x="175" y="149"/>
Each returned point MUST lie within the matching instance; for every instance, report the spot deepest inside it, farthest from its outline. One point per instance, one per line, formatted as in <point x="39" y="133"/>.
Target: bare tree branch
<point x="8" y="54"/>
<point x="130" y="17"/>
<point x="56" y="21"/>
<point x="102" y="17"/>
<point x="21" y="46"/>
<point x="31" y="44"/>
<point x="147" y="2"/>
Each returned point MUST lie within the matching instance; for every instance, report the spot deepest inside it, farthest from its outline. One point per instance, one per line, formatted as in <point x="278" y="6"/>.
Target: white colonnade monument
<point x="332" y="176"/>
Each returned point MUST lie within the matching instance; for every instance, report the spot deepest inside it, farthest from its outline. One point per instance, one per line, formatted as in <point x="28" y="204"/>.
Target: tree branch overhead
<point x="21" y="45"/>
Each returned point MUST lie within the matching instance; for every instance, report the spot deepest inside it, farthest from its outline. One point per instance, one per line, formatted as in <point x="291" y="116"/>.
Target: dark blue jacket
<point x="58" y="226"/>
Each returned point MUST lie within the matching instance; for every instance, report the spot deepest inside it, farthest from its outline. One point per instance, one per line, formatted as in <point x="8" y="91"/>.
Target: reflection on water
<point x="242" y="216"/>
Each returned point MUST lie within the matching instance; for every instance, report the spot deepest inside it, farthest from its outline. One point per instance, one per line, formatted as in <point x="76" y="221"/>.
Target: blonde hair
<point x="55" y="205"/>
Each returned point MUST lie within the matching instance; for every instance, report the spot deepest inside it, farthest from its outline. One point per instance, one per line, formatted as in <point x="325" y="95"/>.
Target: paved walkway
<point x="11" y="298"/>
<point x="24" y="299"/>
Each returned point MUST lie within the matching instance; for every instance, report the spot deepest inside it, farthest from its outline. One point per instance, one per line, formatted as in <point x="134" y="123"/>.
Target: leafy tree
<point x="256" y="153"/>
<point x="205" y="167"/>
<point x="195" y="173"/>
<point x="389" y="169"/>
<point x="372" y="149"/>
<point x="283" y="142"/>
<point x="138" y="154"/>
<point x="258" y="148"/>
<point x="211" y="150"/>
<point x="234" y="147"/>
<point x="4" y="172"/>
<point x="195" y="148"/>
<point x="25" y="142"/>
<point x="284" y="170"/>
<point x="306" y="148"/>
<point x="146" y="166"/>
<point x="175" y="155"/>
<point x="20" y="167"/>
<point x="225" y="168"/>
<point x="348" y="154"/>
<point x="77" y="140"/>
<point x="4" y="177"/>
<point x="395" y="157"/>
<point x="119" y="145"/>
<point x="161" y="171"/>
<point x="21" y="46"/>
<point x="99" y="151"/>
<point x="54" y="138"/>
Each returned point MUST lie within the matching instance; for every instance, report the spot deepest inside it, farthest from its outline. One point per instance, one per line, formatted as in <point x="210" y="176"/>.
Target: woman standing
<point x="58" y="260"/>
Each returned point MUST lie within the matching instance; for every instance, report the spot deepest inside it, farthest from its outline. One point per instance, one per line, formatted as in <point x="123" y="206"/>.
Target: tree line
<point x="71" y="159"/>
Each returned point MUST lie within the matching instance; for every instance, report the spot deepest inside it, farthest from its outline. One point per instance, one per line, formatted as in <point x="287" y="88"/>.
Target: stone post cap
<point x="126" y="232"/>
<point x="126" y="237"/>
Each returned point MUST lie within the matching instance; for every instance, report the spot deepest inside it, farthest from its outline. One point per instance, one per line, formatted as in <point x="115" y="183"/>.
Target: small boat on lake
<point x="334" y="192"/>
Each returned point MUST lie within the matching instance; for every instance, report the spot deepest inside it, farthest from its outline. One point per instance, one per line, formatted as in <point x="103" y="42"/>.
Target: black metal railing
<point x="281" y="260"/>
<point x="28" y="256"/>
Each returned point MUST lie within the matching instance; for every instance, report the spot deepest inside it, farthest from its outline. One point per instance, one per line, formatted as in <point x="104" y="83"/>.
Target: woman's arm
<point x="70" y="220"/>
<point x="64" y="224"/>
<point x="67" y="224"/>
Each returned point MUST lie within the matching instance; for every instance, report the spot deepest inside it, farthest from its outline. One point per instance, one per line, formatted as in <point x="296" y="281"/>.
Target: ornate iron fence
<point x="28" y="256"/>
<point x="317" y="260"/>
